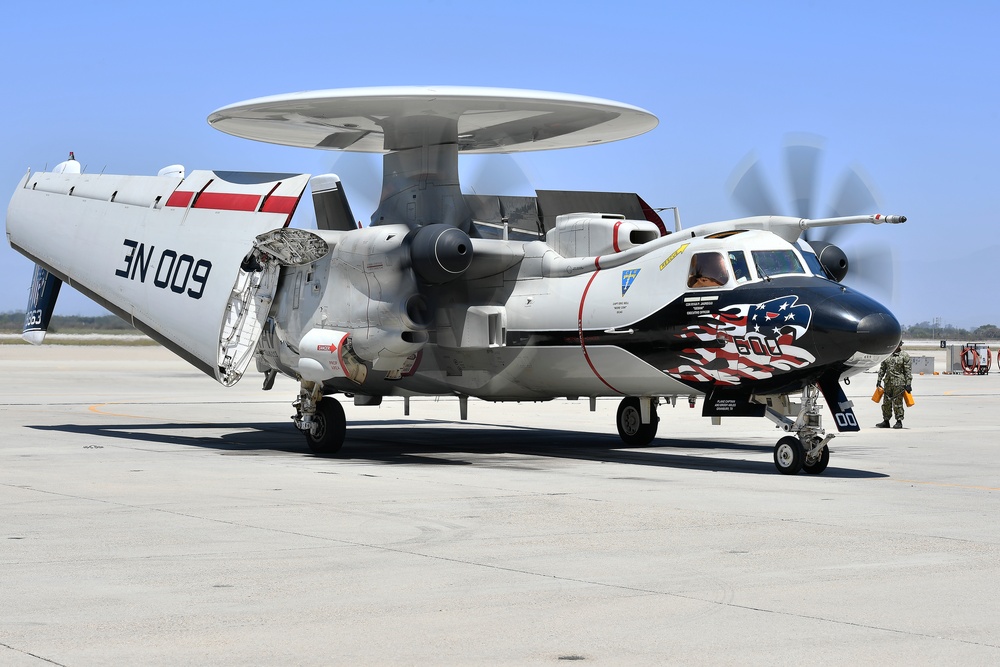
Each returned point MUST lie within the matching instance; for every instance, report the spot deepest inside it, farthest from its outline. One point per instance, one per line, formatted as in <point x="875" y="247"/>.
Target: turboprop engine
<point x="377" y="296"/>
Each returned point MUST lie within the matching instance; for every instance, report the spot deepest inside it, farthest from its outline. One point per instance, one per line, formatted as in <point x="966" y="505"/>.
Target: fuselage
<point x="749" y="311"/>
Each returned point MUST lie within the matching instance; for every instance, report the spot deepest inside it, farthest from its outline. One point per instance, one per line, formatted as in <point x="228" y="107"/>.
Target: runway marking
<point x="945" y="484"/>
<point x="96" y="408"/>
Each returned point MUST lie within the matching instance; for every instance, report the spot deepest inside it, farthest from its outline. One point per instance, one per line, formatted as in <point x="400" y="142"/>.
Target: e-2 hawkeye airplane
<point x="566" y="294"/>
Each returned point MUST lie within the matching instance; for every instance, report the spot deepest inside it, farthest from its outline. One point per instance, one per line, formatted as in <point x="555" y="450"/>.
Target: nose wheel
<point x="817" y="458"/>
<point x="789" y="455"/>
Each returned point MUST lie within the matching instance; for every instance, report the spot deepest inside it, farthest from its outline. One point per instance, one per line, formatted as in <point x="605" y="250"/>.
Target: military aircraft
<point x="565" y="294"/>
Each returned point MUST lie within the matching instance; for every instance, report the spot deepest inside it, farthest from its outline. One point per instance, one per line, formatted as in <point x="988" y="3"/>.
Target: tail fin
<point x="330" y="202"/>
<point x="41" y="303"/>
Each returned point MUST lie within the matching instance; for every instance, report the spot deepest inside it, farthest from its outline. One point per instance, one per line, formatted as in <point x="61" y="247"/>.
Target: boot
<point x="899" y="423"/>
<point x="883" y="424"/>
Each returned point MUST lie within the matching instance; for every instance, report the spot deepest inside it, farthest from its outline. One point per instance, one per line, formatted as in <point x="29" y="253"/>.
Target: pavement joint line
<point x="33" y="655"/>
<point x="555" y="577"/>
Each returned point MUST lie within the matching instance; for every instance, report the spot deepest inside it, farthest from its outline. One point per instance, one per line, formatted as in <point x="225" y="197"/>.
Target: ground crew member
<point x="897" y="372"/>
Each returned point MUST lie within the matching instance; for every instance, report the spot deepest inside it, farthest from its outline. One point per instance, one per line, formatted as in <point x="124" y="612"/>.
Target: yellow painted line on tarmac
<point x="954" y="486"/>
<point x="96" y="408"/>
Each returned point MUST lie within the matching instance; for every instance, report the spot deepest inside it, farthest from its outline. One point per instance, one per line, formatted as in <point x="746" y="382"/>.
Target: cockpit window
<point x="776" y="262"/>
<point x="708" y="269"/>
<point x="812" y="261"/>
<point x="738" y="260"/>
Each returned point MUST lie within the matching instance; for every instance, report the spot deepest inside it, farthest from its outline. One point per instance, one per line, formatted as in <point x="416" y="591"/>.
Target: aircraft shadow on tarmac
<point x="416" y="442"/>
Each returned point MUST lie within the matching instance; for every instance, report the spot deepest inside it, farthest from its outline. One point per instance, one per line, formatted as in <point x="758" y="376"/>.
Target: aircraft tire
<point x="820" y="464"/>
<point x="630" y="427"/>
<point x="789" y="455"/>
<point x="330" y="428"/>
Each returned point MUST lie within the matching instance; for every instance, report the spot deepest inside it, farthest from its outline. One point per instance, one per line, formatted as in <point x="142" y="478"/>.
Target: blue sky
<point x="907" y="90"/>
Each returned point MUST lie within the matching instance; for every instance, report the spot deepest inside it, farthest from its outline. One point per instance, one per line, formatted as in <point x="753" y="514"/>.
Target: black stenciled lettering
<point x="174" y="286"/>
<point x="164" y="281"/>
<point x="143" y="266"/>
<point x="200" y="276"/>
<point x="173" y="271"/>
<point x="128" y="258"/>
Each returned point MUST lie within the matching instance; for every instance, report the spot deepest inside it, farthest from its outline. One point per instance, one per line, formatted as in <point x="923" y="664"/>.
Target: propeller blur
<point x="869" y="265"/>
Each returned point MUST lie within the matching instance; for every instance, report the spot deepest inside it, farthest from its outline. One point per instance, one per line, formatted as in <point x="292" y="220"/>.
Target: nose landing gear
<point x="791" y="455"/>
<point x="808" y="449"/>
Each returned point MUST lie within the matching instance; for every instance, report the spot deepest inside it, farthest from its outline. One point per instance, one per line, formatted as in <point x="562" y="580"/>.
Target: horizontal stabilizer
<point x="532" y="217"/>
<point x="553" y="203"/>
<point x="41" y="303"/>
<point x="492" y="212"/>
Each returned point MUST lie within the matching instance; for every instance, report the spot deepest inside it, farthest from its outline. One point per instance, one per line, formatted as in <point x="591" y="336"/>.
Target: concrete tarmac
<point x="149" y="516"/>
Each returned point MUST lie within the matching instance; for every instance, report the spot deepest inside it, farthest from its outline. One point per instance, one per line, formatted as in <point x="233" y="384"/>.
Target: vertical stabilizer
<point x="41" y="303"/>
<point x="330" y="203"/>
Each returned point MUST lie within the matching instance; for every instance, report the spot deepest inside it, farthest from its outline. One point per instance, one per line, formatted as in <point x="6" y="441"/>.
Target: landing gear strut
<point x="633" y="431"/>
<point x="321" y="419"/>
<point x="808" y="449"/>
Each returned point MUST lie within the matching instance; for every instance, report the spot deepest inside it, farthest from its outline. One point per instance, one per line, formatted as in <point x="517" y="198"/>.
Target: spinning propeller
<point x="489" y="174"/>
<point x="865" y="265"/>
<point x="438" y="253"/>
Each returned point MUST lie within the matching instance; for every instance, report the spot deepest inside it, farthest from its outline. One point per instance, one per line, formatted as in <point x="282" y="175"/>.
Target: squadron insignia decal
<point x="745" y="342"/>
<point x="628" y="277"/>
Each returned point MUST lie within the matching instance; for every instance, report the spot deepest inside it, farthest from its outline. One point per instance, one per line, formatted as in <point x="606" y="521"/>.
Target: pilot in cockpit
<point x="708" y="269"/>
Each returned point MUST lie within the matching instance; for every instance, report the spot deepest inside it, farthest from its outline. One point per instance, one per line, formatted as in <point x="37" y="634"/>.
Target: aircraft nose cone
<point x="878" y="333"/>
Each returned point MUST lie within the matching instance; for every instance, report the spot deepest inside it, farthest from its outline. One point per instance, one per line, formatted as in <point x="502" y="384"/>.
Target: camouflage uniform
<point x="897" y="373"/>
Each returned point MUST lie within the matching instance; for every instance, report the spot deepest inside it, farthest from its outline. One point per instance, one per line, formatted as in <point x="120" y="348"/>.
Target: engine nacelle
<point x="374" y="294"/>
<point x="325" y="354"/>
<point x="594" y="234"/>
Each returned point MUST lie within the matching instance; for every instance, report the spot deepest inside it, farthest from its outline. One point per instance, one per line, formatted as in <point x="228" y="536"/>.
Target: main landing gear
<point x="321" y="419"/>
<point x="808" y="450"/>
<point x="637" y="420"/>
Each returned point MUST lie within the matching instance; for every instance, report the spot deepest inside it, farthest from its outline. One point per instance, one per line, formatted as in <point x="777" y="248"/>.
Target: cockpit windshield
<point x="812" y="261"/>
<point x="772" y="263"/>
